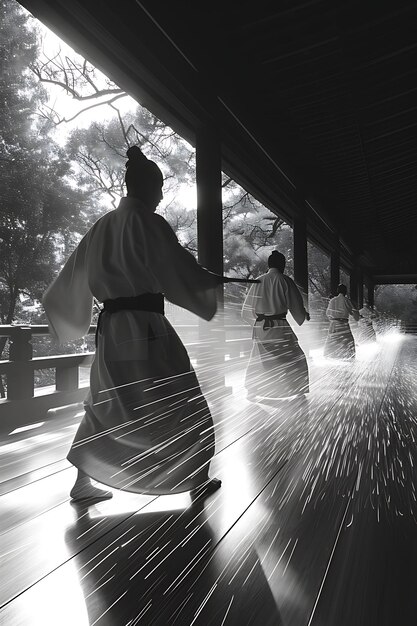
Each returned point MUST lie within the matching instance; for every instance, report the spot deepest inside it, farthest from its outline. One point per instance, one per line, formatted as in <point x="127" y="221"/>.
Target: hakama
<point x="365" y="325"/>
<point x="147" y="427"/>
<point x="366" y="331"/>
<point x="277" y="366"/>
<point x="339" y="343"/>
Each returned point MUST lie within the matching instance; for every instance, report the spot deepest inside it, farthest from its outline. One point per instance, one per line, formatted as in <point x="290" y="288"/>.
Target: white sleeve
<point x="248" y="308"/>
<point x="183" y="281"/>
<point x="68" y="301"/>
<point x="353" y="312"/>
<point x="295" y="301"/>
<point x="330" y="311"/>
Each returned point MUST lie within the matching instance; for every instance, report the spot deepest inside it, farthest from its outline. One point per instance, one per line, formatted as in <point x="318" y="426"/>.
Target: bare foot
<point x="205" y="490"/>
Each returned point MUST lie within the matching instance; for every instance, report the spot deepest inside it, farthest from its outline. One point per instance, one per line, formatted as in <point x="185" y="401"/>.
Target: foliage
<point x="77" y="77"/>
<point x="318" y="279"/>
<point x="251" y="232"/>
<point x="99" y="153"/>
<point x="93" y="159"/>
<point x="399" y="301"/>
<point x="38" y="205"/>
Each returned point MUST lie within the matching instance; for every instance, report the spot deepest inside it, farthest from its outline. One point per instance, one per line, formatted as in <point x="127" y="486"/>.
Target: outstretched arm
<point x="182" y="280"/>
<point x="68" y="301"/>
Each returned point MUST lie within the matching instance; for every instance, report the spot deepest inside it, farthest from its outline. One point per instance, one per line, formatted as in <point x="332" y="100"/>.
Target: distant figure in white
<point x="147" y="427"/>
<point x="277" y="367"/>
<point x="367" y="315"/>
<point x="339" y="342"/>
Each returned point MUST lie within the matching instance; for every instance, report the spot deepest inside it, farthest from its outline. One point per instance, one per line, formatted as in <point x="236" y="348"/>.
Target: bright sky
<point x="67" y="106"/>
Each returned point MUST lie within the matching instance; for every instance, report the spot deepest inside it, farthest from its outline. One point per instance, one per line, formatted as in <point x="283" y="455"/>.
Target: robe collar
<point x="132" y="203"/>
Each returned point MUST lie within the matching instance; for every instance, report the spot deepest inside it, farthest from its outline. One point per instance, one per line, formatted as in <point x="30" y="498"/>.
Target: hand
<point x="307" y="316"/>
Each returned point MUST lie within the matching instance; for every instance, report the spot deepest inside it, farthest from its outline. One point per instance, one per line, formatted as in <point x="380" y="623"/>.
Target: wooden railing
<point x="23" y="403"/>
<point x="23" y="400"/>
<point x="21" y="365"/>
<point x="209" y="346"/>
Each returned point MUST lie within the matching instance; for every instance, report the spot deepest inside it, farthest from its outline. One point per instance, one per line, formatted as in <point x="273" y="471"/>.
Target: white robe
<point x="147" y="426"/>
<point x="340" y="307"/>
<point x="340" y="343"/>
<point x="366" y="330"/>
<point x="277" y="367"/>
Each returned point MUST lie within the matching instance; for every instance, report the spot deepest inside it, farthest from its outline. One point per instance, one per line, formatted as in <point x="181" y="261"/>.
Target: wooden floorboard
<point x="257" y="551"/>
<point x="373" y="575"/>
<point x="31" y="455"/>
<point x="33" y="534"/>
<point x="24" y="454"/>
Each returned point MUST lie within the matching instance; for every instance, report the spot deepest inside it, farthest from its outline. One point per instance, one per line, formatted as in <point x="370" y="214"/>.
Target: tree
<point x="318" y="279"/>
<point x="39" y="207"/>
<point x="78" y="78"/>
<point x="399" y="301"/>
<point x="98" y="153"/>
<point x="251" y="232"/>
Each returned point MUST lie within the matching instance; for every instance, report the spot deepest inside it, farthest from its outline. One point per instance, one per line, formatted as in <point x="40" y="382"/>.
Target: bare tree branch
<point x="63" y="120"/>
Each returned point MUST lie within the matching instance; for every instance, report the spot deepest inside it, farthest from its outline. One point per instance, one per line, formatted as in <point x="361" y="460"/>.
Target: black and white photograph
<point x="208" y="313"/>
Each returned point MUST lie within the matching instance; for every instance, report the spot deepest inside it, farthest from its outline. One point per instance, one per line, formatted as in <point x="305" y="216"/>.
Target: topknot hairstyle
<point x="276" y="260"/>
<point x="142" y="173"/>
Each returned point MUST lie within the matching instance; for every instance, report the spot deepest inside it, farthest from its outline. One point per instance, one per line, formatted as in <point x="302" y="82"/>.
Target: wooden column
<point x="334" y="270"/>
<point x="209" y="201"/>
<point x="371" y="294"/>
<point x="300" y="256"/>
<point x="360" y="288"/>
<point x="210" y="252"/>
<point x="354" y="286"/>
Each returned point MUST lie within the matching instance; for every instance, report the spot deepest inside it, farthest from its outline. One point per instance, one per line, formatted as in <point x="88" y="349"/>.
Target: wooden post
<point x="334" y="270"/>
<point x="66" y="378"/>
<point x="371" y="294"/>
<point x="360" y="288"/>
<point x="209" y="201"/>
<point x="300" y="257"/>
<point x="354" y="286"/>
<point x="20" y="383"/>
<point x="210" y="248"/>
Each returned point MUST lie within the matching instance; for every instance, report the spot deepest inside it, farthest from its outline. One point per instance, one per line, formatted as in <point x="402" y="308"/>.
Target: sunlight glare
<point x="29" y="427"/>
<point x="392" y="336"/>
<point x="64" y="604"/>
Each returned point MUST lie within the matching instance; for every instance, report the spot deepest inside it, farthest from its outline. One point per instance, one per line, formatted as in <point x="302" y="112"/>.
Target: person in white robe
<point x="147" y="427"/>
<point x="277" y="366"/>
<point x="340" y="343"/>
<point x="367" y="315"/>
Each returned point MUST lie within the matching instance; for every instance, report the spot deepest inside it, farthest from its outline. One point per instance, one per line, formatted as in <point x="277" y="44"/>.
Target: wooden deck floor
<point x="316" y="522"/>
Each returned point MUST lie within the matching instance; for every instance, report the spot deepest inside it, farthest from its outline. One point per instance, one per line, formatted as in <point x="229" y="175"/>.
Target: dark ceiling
<point x="315" y="102"/>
